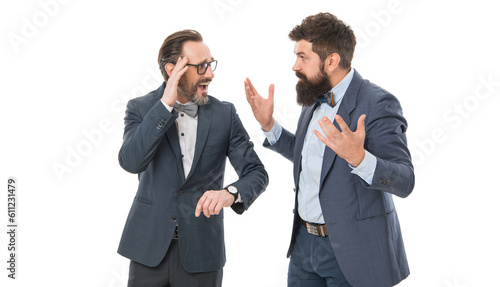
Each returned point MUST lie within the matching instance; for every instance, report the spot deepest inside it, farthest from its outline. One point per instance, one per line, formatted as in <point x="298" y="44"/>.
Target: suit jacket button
<point x="381" y="180"/>
<point x="174" y="218"/>
<point x="181" y="191"/>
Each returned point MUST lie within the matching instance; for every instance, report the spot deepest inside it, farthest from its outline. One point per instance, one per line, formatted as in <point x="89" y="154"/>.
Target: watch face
<point x="232" y="189"/>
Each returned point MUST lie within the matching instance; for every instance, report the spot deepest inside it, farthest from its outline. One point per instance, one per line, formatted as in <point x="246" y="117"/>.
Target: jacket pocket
<point x="143" y="200"/>
<point x="376" y="216"/>
<point x="214" y="148"/>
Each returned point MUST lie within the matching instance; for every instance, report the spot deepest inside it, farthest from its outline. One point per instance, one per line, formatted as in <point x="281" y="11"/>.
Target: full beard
<point x="309" y="91"/>
<point x="190" y="92"/>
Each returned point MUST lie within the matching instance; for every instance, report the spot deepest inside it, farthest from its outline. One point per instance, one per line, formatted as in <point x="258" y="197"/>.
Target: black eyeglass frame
<point x="204" y="66"/>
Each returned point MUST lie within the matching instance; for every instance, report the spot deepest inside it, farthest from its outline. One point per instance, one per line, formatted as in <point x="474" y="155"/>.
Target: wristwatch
<point x="234" y="191"/>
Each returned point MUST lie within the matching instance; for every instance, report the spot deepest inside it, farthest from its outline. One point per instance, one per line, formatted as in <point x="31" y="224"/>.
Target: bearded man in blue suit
<point x="350" y="156"/>
<point x="177" y="139"/>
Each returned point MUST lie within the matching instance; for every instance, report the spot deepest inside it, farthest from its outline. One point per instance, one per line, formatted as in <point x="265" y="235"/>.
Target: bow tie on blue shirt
<point x="326" y="98"/>
<point x="190" y="110"/>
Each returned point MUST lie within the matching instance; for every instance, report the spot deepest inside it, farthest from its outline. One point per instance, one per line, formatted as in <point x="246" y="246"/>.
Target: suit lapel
<point x="204" y="121"/>
<point x="347" y="105"/>
<point x="329" y="155"/>
<point x="173" y="139"/>
<point x="171" y="134"/>
<point x="300" y="134"/>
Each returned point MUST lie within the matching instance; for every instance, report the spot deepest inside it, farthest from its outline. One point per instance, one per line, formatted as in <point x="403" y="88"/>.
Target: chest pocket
<point x="215" y="148"/>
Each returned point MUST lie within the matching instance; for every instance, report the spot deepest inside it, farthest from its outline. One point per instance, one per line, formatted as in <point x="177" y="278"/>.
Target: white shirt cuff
<point x="366" y="168"/>
<point x="274" y="134"/>
<point x="169" y="108"/>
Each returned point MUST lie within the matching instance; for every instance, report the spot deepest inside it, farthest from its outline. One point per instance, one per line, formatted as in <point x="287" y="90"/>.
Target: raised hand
<point x="212" y="201"/>
<point x="345" y="143"/>
<point x="170" y="92"/>
<point x="262" y="108"/>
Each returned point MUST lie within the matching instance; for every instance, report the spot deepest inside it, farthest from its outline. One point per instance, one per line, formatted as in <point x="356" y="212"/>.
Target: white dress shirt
<point x="309" y="207"/>
<point x="186" y="129"/>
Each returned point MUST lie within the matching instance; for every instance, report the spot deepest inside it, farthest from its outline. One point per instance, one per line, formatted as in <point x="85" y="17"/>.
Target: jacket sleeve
<point x="386" y="140"/>
<point x="284" y="146"/>
<point x="253" y="178"/>
<point x="142" y="135"/>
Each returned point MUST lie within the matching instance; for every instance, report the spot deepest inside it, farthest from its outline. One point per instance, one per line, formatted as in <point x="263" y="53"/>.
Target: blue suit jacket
<point x="361" y="220"/>
<point x="165" y="198"/>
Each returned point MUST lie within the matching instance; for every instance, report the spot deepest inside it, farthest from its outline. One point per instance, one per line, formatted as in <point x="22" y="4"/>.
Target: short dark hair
<point x="328" y="35"/>
<point x="171" y="49"/>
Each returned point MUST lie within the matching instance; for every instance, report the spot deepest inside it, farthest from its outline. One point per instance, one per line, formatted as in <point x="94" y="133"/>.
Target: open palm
<point x="262" y="108"/>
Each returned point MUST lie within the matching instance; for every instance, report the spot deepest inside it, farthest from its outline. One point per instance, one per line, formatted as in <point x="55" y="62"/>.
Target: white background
<point x="68" y="69"/>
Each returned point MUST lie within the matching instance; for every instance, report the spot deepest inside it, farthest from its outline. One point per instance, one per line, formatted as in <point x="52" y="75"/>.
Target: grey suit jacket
<point x="361" y="219"/>
<point x="165" y="198"/>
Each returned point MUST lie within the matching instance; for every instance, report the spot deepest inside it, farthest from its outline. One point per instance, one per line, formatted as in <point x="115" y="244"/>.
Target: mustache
<point x="203" y="81"/>
<point x="300" y="75"/>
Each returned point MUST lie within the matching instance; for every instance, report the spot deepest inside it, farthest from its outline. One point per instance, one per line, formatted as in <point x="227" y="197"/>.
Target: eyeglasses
<point x="202" y="68"/>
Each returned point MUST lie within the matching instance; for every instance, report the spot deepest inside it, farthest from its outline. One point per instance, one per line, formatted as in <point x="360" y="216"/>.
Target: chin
<point x="201" y="99"/>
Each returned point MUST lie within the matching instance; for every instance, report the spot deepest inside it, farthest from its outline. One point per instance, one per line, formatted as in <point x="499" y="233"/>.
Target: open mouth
<point x="203" y="87"/>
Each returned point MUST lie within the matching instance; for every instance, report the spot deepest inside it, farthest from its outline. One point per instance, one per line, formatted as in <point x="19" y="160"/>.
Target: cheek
<point x="308" y="74"/>
<point x="190" y="79"/>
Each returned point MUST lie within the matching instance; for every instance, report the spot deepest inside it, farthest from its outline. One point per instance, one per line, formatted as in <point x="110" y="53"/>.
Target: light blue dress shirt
<point x="309" y="207"/>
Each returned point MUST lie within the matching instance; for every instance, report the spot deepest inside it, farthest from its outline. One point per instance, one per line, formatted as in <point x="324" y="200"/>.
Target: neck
<point x="337" y="76"/>
<point x="181" y="98"/>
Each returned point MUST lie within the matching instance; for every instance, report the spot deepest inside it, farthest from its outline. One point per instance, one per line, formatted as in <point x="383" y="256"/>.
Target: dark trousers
<point x="171" y="273"/>
<point x="313" y="263"/>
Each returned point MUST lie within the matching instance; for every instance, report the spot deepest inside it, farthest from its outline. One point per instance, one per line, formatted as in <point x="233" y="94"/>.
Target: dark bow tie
<point x="190" y="110"/>
<point x="326" y="98"/>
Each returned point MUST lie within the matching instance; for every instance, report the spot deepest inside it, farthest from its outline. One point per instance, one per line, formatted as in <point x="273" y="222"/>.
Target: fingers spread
<point x="328" y="128"/>
<point x="271" y="92"/>
<point x="343" y="126"/>
<point x="252" y="88"/>
<point x="248" y="93"/>
<point x="320" y="136"/>
<point x="361" y="124"/>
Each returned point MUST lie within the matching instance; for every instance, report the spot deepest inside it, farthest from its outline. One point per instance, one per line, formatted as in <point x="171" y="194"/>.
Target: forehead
<point x="303" y="47"/>
<point x="196" y="52"/>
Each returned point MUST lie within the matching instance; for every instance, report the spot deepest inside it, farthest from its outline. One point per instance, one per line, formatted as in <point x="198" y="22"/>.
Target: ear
<point x="332" y="62"/>
<point x="168" y="68"/>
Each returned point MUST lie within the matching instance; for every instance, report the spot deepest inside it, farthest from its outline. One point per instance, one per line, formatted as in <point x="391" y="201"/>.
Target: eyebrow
<point x="300" y="54"/>
<point x="207" y="60"/>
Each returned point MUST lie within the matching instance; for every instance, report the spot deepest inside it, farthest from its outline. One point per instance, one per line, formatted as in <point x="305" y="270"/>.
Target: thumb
<point x="271" y="92"/>
<point x="361" y="124"/>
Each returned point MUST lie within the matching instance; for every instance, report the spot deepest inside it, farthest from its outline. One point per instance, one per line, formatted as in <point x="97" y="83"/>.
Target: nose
<point x="209" y="73"/>
<point x="296" y="66"/>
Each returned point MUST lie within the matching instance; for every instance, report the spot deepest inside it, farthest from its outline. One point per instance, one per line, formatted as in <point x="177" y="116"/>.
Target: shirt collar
<point x="340" y="89"/>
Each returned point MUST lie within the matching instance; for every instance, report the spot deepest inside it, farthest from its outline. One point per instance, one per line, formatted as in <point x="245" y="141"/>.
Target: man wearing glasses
<point x="177" y="139"/>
